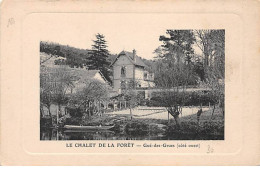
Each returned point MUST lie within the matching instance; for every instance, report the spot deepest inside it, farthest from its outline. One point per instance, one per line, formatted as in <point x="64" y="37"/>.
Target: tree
<point x="46" y="96"/>
<point x="54" y="85"/>
<point x="62" y="82"/>
<point x="177" y="46"/>
<point x="175" y="70"/>
<point x="177" y="50"/>
<point x="130" y="95"/>
<point x="173" y="81"/>
<point x="212" y="44"/>
<point x="76" y="59"/>
<point x="99" y="56"/>
<point x="53" y="50"/>
<point x="73" y="57"/>
<point x="199" y="68"/>
<point x="93" y="91"/>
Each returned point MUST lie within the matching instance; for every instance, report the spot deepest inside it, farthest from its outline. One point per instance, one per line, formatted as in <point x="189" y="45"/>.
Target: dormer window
<point x="123" y="71"/>
<point x="145" y="75"/>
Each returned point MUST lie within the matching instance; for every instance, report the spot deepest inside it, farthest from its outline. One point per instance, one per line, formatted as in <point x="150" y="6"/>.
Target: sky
<point x="122" y="31"/>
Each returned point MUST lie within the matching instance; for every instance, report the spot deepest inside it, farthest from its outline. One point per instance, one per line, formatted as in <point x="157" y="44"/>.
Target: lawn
<point x="159" y="113"/>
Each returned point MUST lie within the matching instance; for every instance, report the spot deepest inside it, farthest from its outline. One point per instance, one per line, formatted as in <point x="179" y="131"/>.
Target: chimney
<point x="134" y="55"/>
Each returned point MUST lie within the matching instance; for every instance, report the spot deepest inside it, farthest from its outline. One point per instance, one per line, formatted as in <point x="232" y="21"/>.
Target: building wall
<point x="145" y="83"/>
<point x="129" y="70"/>
<point x="132" y="72"/>
<point x="123" y="61"/>
<point x="116" y="84"/>
<point x="139" y="73"/>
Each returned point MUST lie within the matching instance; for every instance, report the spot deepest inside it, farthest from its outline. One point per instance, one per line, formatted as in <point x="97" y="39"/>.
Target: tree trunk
<point x="198" y="115"/>
<point x="41" y="111"/>
<point x="177" y="120"/>
<point x="175" y="114"/>
<point x="212" y="112"/>
<point x="57" y="114"/>
<point x="49" y="110"/>
<point x="131" y="115"/>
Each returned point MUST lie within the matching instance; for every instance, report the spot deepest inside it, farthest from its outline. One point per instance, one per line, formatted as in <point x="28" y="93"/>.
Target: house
<point x="79" y="76"/>
<point x="129" y="67"/>
<point x="55" y="75"/>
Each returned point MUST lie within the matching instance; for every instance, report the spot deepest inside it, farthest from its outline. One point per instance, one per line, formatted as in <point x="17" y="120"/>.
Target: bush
<point x="74" y="121"/>
<point x="136" y="128"/>
<point x="191" y="99"/>
<point x="46" y="122"/>
<point x="195" y="99"/>
<point x="75" y="112"/>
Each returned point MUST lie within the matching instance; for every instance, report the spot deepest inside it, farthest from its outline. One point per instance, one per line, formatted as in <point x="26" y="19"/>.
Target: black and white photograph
<point x="137" y="84"/>
<point x="129" y="83"/>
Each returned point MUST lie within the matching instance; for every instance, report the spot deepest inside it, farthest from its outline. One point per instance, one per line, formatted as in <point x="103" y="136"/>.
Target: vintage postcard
<point x="130" y="83"/>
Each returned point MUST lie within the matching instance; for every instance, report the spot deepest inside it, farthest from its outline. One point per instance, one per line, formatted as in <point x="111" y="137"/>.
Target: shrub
<point x="136" y="128"/>
<point x="191" y="99"/>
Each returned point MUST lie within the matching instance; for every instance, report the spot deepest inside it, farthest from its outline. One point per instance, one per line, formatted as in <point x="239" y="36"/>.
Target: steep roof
<point x="130" y="55"/>
<point x="76" y="73"/>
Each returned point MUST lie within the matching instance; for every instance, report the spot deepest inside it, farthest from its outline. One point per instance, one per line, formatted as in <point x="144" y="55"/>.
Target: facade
<point x="128" y="68"/>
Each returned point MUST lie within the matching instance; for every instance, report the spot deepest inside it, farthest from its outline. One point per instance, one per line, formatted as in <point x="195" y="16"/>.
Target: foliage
<point x="93" y="90"/>
<point x="130" y="94"/>
<point x="77" y="59"/>
<point x="51" y="48"/>
<point x="191" y="99"/>
<point x="136" y="128"/>
<point x="74" y="57"/>
<point x="177" y="46"/>
<point x="45" y="122"/>
<point x="150" y="65"/>
<point x="98" y="59"/>
<point x="175" y="70"/>
<point x="54" y="86"/>
<point x="73" y="121"/>
<point x="212" y="45"/>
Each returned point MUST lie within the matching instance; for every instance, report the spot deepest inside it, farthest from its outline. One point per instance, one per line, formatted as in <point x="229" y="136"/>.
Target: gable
<point x="137" y="62"/>
<point x="123" y="60"/>
<point x="99" y="78"/>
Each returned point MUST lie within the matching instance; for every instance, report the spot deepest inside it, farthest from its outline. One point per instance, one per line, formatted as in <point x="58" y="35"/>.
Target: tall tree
<point x="177" y="51"/>
<point x="212" y="45"/>
<point x="177" y="45"/>
<point x="174" y="71"/>
<point x="99" y="56"/>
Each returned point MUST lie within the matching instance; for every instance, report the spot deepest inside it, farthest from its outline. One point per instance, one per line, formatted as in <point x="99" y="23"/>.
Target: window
<point x="123" y="84"/>
<point x="123" y="71"/>
<point x="145" y="75"/>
